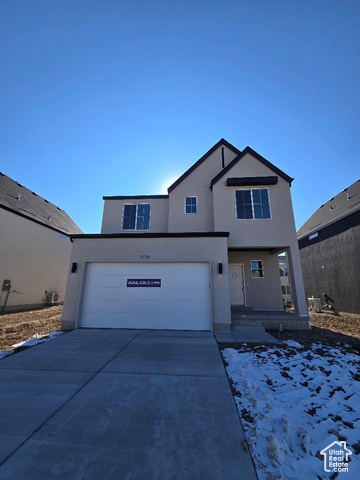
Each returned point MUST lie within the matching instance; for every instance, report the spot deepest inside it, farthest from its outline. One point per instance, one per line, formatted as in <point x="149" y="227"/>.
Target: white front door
<point x="237" y="285"/>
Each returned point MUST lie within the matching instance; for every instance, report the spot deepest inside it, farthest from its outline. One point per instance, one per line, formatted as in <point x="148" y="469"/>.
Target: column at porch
<point x="297" y="284"/>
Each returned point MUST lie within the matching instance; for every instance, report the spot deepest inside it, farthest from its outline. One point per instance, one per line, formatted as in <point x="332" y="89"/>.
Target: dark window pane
<point x="143" y="216"/>
<point x="257" y="210"/>
<point x="243" y="204"/>
<point x="261" y="203"/>
<point x="129" y="217"/>
<point x="190" y="205"/>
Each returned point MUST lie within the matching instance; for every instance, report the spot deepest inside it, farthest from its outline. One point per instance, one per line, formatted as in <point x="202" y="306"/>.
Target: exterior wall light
<point x="73" y="267"/>
<point x="220" y="267"/>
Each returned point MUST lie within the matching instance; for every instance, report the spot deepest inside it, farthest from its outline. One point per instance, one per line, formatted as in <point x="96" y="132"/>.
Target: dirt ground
<point x="326" y="328"/>
<point x="18" y="327"/>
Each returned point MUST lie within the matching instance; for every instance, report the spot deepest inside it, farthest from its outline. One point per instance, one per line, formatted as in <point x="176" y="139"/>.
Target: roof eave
<point x="258" y="157"/>
<point x="327" y="224"/>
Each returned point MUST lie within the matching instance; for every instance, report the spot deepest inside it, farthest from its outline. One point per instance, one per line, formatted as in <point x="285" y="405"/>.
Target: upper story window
<point x="252" y="203"/>
<point x="136" y="216"/>
<point x="191" y="205"/>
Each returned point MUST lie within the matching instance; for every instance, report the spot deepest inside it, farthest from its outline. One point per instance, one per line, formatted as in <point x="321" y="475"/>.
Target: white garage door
<point x="151" y="295"/>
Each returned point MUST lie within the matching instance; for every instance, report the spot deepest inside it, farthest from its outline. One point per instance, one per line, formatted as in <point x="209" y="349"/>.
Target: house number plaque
<point x="144" y="257"/>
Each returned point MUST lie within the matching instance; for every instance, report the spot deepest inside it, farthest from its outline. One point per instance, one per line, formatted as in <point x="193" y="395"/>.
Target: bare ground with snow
<point x="293" y="402"/>
<point x="20" y="326"/>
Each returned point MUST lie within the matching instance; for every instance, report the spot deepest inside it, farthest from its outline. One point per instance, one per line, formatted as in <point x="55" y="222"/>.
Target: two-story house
<point x="186" y="259"/>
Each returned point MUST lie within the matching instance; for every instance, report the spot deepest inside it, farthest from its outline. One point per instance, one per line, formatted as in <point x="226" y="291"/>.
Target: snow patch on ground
<point x="31" y="342"/>
<point x="293" y="402"/>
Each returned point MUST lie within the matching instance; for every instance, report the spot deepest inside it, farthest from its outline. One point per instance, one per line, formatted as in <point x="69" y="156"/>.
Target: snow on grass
<point x="293" y="402"/>
<point x="31" y="342"/>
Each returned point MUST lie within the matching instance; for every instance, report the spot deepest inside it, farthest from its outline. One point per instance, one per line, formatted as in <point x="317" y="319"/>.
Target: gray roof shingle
<point x="343" y="204"/>
<point x="18" y="199"/>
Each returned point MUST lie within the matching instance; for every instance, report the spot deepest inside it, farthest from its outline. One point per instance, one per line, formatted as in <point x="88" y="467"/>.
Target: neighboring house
<point x="329" y="245"/>
<point x="35" y="248"/>
<point x="284" y="280"/>
<point x="183" y="260"/>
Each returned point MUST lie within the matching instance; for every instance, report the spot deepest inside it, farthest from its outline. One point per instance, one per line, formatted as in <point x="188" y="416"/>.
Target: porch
<point x="245" y="317"/>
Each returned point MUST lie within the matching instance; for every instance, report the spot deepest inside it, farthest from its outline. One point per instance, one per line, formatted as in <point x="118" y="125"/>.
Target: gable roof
<point x="18" y="199"/>
<point x="202" y="159"/>
<point x="343" y="204"/>
<point x="258" y="157"/>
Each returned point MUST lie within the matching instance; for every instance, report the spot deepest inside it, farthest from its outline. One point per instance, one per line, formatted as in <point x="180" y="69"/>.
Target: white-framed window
<point x="190" y="204"/>
<point x="252" y="203"/>
<point x="136" y="216"/>
<point x="257" y="269"/>
<point x="285" y="289"/>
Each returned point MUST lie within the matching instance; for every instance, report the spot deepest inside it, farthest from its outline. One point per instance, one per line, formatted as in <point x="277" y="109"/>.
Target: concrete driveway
<point x="120" y="404"/>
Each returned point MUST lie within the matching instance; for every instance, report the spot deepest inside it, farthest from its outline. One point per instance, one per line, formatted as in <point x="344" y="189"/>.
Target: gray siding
<point x="330" y="263"/>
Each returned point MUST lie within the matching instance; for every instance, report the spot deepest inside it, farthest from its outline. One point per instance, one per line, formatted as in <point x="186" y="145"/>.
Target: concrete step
<point x="247" y="328"/>
<point x="246" y="322"/>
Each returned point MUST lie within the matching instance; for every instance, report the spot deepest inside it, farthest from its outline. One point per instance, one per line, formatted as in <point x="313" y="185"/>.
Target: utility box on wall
<point x="6" y="285"/>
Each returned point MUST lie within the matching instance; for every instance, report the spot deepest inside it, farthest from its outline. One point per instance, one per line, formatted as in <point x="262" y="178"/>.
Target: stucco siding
<point x="34" y="258"/>
<point x="279" y="230"/>
<point x="113" y="214"/>
<point x="260" y="293"/>
<point x="197" y="184"/>
<point x="143" y="250"/>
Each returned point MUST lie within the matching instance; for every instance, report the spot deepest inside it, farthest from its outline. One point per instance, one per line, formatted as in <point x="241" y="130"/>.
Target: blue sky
<point x="112" y="97"/>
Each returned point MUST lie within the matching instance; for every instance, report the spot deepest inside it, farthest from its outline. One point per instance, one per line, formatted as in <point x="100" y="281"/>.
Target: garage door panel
<point x="144" y="321"/>
<point x="182" y="301"/>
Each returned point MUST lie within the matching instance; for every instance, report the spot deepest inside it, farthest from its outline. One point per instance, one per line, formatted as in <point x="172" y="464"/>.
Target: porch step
<point x="245" y="322"/>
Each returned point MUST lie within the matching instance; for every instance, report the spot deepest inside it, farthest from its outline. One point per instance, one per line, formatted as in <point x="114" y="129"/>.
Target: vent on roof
<point x="34" y="194"/>
<point x="2" y="174"/>
<point x="312" y="236"/>
<point x="46" y="200"/>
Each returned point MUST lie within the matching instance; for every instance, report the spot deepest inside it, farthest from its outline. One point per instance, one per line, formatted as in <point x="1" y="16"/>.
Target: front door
<point x="237" y="285"/>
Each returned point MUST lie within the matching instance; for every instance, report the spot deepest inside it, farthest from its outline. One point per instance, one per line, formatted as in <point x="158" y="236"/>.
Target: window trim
<point x="252" y="203"/>
<point x="136" y="217"/>
<point x="196" y="205"/>
<point x="257" y="269"/>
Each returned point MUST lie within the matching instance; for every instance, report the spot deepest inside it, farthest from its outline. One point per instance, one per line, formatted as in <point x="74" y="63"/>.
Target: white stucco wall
<point x="260" y="293"/>
<point x="277" y="231"/>
<point x="113" y="214"/>
<point x="197" y="184"/>
<point x="173" y="249"/>
<point x="34" y="258"/>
